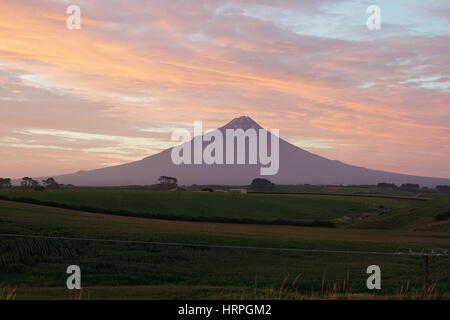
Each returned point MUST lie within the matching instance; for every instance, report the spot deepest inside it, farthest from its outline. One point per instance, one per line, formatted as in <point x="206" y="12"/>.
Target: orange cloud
<point x="124" y="73"/>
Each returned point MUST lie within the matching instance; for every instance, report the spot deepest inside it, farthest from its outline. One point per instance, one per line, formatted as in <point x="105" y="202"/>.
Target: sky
<point x="114" y="90"/>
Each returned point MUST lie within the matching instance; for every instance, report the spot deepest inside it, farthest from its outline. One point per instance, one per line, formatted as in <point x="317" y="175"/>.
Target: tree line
<point x="413" y="187"/>
<point x="166" y="183"/>
<point x="30" y="183"/>
<point x="5" y="183"/>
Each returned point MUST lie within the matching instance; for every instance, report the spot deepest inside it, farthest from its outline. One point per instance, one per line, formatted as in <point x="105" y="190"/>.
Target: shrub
<point x="443" y="216"/>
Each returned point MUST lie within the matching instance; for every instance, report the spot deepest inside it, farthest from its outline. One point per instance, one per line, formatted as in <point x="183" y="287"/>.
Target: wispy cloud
<point x="116" y="87"/>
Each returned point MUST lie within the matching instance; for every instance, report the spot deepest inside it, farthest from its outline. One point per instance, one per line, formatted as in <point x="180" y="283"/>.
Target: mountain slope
<point x="297" y="166"/>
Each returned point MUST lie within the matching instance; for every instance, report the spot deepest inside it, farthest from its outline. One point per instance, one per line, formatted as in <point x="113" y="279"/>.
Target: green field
<point x="225" y="205"/>
<point x="35" y="268"/>
<point x="414" y="217"/>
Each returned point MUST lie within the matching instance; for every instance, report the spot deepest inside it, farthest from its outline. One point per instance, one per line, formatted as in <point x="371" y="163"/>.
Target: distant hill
<point x="297" y="166"/>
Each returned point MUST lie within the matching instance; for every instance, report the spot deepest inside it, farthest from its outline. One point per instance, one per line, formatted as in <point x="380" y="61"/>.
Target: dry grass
<point x="7" y="293"/>
<point x="79" y="295"/>
<point x="337" y="291"/>
<point x="285" y="291"/>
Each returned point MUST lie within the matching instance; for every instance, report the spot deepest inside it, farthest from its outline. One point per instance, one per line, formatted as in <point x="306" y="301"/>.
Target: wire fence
<point x="429" y="252"/>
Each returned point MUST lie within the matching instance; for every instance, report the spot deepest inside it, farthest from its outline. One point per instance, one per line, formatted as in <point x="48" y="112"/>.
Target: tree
<point x="34" y="183"/>
<point x="443" y="188"/>
<point x="260" y="184"/>
<point x="50" y="183"/>
<point x="28" y="182"/>
<point x="167" y="182"/>
<point x="25" y="182"/>
<point x="5" y="183"/>
<point x="410" y="186"/>
<point x="386" y="185"/>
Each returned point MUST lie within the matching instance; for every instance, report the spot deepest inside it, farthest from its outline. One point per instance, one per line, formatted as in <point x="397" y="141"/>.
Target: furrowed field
<point x="35" y="268"/>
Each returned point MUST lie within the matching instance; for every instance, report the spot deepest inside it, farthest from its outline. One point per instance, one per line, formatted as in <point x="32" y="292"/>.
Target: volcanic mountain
<point x="296" y="166"/>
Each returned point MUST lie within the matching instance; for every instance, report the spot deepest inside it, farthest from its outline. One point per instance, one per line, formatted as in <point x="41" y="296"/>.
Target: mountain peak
<point x="243" y="122"/>
<point x="296" y="166"/>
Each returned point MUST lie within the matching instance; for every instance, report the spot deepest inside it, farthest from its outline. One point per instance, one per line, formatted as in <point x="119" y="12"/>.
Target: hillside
<point x="409" y="218"/>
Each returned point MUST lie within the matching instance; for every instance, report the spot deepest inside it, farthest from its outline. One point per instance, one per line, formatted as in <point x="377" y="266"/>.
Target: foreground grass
<point x="33" y="265"/>
<point x="179" y="292"/>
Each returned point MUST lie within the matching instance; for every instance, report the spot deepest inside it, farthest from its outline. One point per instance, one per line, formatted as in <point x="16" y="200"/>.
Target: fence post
<point x="425" y="276"/>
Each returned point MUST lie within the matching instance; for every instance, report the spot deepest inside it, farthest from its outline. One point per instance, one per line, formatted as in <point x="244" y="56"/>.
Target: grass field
<point x="414" y="217"/>
<point x="35" y="268"/>
<point x="252" y="206"/>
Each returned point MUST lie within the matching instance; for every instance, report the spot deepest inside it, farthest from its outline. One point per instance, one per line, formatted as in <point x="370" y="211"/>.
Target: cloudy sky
<point x="113" y="91"/>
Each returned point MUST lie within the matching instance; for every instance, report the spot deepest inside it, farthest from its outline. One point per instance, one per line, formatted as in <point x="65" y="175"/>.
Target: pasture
<point x="35" y="268"/>
<point x="216" y="205"/>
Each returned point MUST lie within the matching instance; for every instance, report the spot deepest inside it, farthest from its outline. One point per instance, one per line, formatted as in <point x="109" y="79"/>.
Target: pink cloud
<point x="137" y="65"/>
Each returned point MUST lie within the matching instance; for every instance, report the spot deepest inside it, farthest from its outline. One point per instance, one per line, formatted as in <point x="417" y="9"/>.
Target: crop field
<point x="226" y="205"/>
<point x="35" y="267"/>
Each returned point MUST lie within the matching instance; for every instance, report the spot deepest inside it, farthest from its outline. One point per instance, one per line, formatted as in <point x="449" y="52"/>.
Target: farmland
<point x="213" y="205"/>
<point x="35" y="268"/>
